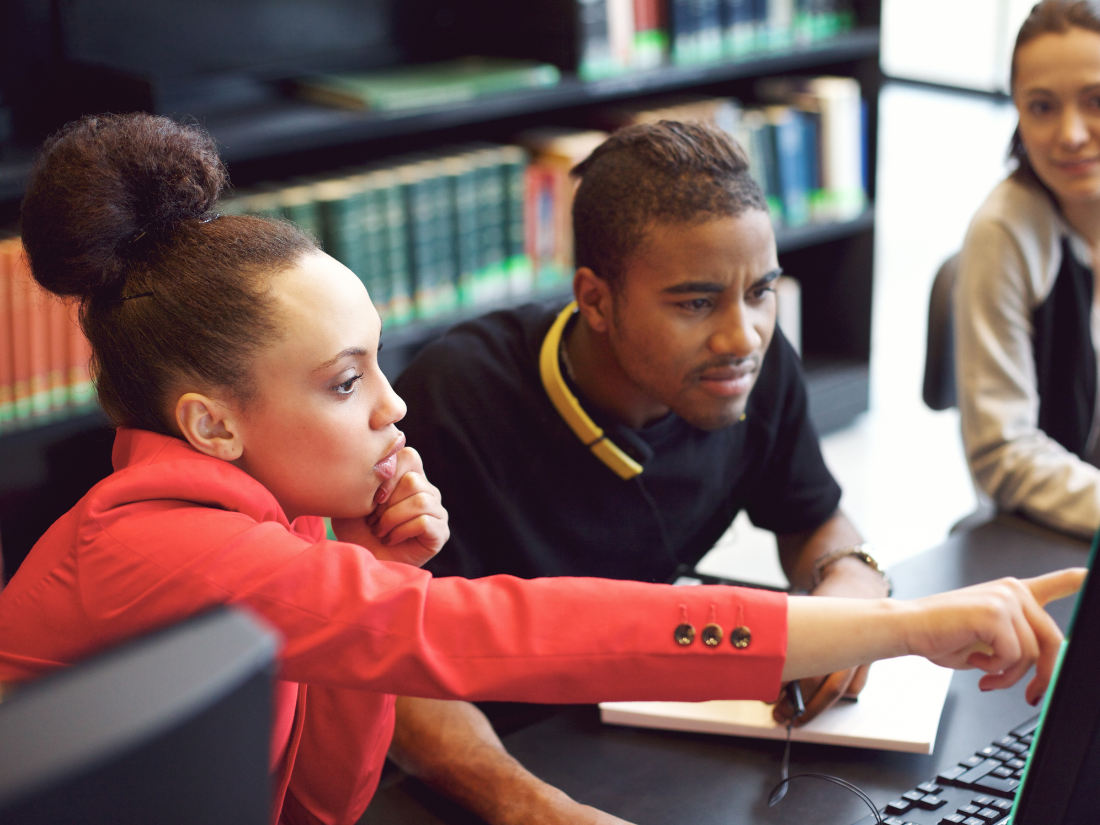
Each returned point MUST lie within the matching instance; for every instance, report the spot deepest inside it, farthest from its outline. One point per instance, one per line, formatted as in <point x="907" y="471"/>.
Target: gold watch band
<point x="859" y="551"/>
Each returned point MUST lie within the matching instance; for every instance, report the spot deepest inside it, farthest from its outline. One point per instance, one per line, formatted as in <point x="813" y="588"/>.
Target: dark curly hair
<point x="665" y="173"/>
<point x="119" y="213"/>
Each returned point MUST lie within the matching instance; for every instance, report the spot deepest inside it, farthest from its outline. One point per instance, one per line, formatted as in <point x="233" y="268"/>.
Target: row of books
<point x="807" y="144"/>
<point x="621" y="35"/>
<point x="427" y="234"/>
<point x="43" y="353"/>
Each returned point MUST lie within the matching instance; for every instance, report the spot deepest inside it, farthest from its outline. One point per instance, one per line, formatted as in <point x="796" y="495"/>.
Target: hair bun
<point x="101" y="182"/>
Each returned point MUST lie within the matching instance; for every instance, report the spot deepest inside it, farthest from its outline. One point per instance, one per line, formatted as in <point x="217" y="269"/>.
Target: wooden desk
<point x="647" y="776"/>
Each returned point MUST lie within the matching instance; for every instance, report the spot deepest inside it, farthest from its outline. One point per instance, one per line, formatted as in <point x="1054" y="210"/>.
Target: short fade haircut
<point x="655" y="173"/>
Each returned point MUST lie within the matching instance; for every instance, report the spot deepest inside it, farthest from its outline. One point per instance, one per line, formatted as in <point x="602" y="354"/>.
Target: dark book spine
<point x="594" y="41"/>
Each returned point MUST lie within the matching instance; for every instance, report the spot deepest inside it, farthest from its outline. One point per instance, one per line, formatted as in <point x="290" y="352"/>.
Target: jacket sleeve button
<point x="684" y="634"/>
<point x="741" y="637"/>
<point x="712" y="635"/>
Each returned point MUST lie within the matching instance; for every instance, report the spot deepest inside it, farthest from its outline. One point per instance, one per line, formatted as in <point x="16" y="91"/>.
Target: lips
<point x="729" y="381"/>
<point x="1077" y="167"/>
<point x="388" y="465"/>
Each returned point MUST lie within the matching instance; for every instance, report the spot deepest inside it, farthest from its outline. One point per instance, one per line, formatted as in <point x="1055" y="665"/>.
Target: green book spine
<point x="339" y="206"/>
<point x="444" y="296"/>
<point x="397" y="250"/>
<point x="462" y="180"/>
<point x="491" y="283"/>
<point x="518" y="263"/>
<point x="299" y="205"/>
<point x="375" y="275"/>
<point x="420" y="207"/>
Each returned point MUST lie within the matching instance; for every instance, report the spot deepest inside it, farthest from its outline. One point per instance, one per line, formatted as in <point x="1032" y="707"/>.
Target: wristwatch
<point x="859" y="551"/>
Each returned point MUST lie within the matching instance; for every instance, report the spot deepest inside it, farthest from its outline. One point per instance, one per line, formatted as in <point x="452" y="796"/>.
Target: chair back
<point x="939" y="364"/>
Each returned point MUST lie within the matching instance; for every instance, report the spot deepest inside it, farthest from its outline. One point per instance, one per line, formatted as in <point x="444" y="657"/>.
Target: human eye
<point x="347" y="387"/>
<point x="1039" y="107"/>
<point x="757" y="292"/>
<point x="696" y="304"/>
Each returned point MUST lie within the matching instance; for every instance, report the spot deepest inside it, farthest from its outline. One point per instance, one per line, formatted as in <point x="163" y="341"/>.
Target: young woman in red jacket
<point x="240" y="365"/>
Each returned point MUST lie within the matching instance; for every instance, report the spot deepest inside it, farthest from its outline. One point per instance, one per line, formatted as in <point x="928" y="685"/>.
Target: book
<point x="491" y="280"/>
<point x="462" y="182"/>
<point x="400" y="309"/>
<point x="593" y="40"/>
<point x="873" y="721"/>
<point x="430" y="84"/>
<point x="517" y="262"/>
<point x="554" y="152"/>
<point x="373" y="260"/>
<point x="620" y="33"/>
<point x="339" y="210"/>
<point x="650" y="37"/>
<point x="791" y="158"/>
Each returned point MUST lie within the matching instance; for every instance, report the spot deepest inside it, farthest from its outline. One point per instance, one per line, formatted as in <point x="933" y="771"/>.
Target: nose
<point x="736" y="334"/>
<point x="1073" y="131"/>
<point x="390" y="408"/>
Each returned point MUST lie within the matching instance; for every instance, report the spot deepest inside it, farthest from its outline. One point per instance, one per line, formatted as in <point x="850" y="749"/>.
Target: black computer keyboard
<point x="979" y="790"/>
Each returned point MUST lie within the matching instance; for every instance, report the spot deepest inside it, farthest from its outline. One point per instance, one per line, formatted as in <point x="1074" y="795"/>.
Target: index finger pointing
<point x="1056" y="585"/>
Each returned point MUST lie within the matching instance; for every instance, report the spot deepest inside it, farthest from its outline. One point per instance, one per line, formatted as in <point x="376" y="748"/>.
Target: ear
<point x="210" y="426"/>
<point x="594" y="299"/>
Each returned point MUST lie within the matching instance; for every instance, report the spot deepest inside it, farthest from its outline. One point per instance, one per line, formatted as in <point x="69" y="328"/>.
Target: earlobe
<point x="209" y="426"/>
<point x="593" y="298"/>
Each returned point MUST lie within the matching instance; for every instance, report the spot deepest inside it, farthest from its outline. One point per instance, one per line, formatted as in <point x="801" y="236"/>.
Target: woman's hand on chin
<point x="409" y="523"/>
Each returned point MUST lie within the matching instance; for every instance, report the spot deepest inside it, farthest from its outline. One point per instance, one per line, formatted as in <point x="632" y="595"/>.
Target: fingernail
<point x="380" y="496"/>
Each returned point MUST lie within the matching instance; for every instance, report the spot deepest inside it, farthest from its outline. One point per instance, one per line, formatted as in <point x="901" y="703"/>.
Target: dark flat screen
<point x="1060" y="787"/>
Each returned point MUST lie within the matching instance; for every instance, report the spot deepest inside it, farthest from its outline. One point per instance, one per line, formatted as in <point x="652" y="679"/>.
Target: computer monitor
<point x="172" y="728"/>
<point x="1062" y="779"/>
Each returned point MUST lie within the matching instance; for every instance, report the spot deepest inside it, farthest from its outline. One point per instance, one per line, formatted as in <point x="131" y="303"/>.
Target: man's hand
<point x="847" y="577"/>
<point x="408" y="524"/>
<point x="452" y="747"/>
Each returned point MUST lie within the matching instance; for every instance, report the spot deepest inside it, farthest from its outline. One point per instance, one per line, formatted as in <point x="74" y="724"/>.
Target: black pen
<point x="794" y="696"/>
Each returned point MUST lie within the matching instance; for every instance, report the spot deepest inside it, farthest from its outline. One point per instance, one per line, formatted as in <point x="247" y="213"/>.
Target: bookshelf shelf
<point x="284" y="125"/>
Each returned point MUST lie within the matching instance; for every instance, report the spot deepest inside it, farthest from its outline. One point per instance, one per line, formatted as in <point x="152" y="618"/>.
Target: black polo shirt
<point x="527" y="498"/>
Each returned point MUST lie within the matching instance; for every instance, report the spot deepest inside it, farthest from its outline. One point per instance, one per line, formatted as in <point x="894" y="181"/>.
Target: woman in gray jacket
<point x="1027" y="321"/>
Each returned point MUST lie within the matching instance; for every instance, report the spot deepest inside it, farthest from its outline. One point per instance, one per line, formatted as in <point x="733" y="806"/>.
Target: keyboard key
<point x="952" y="819"/>
<point x="893" y="820"/>
<point x="1027" y="740"/>
<point x="972" y="761"/>
<point x="985" y="753"/>
<point x="931" y="802"/>
<point x="898" y="806"/>
<point x="1015" y="764"/>
<point x="1004" y="755"/>
<point x="929" y="787"/>
<point x="973" y="820"/>
<point x="1017" y="748"/>
<point x="976" y="773"/>
<point x="1001" y="787"/>
<point x="1002" y="772"/>
<point x="982" y="801"/>
<point x="912" y="796"/>
<point x="970" y="810"/>
<point x="1026" y="729"/>
<point x="1006" y="741"/>
<point x="950" y="775"/>
<point x="1002" y="804"/>
<point x="990" y="814"/>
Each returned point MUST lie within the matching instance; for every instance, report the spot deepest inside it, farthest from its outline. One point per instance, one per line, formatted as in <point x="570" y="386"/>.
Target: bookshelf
<point x="44" y="469"/>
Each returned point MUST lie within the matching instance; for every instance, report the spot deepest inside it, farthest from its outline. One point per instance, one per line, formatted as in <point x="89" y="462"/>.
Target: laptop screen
<point x="1063" y="774"/>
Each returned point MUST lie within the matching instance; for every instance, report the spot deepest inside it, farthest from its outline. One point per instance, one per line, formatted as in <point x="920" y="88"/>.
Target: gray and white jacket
<point x="1026" y="364"/>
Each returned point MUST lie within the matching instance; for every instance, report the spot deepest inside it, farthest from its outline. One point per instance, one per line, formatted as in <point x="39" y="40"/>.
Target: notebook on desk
<point x="872" y="722"/>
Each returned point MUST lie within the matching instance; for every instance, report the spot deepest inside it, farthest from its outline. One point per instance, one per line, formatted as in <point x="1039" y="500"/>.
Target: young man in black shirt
<point x="620" y="436"/>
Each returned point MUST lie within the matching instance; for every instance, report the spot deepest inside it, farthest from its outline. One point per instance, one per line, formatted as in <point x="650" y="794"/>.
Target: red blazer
<point x="173" y="532"/>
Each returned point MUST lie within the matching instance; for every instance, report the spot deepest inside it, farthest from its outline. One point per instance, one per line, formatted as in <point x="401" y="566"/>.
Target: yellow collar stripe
<point x="570" y="409"/>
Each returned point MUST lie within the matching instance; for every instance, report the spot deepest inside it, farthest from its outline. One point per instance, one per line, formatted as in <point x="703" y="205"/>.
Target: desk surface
<point x="647" y="776"/>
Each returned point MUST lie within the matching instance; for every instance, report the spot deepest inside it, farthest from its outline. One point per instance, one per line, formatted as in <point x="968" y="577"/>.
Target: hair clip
<point x="139" y="295"/>
<point x="213" y="217"/>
